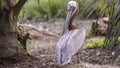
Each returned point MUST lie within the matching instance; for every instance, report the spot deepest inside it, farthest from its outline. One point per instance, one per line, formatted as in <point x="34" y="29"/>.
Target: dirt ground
<point x="42" y="49"/>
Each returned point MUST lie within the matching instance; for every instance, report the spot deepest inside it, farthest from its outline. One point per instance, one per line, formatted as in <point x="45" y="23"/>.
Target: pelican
<point x="72" y="39"/>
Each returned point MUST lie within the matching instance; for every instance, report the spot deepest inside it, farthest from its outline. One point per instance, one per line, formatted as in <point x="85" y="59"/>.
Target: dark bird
<point x="72" y="39"/>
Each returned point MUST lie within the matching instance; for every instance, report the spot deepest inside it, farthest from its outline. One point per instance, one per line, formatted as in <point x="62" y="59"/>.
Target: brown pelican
<point x="72" y="39"/>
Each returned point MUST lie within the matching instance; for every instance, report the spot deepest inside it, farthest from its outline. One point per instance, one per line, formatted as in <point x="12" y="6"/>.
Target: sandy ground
<point x="43" y="49"/>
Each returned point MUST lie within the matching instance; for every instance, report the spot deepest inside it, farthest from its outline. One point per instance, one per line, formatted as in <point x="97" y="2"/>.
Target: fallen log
<point x="33" y="32"/>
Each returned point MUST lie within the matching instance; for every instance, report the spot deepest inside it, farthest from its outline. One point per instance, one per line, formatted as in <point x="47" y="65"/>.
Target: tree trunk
<point x="9" y="44"/>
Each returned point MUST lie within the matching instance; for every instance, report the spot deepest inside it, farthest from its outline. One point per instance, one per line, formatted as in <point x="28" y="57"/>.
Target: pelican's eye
<point x="72" y="9"/>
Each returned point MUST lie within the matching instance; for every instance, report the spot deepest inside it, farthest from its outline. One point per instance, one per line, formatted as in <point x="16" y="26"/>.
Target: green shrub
<point x="94" y="43"/>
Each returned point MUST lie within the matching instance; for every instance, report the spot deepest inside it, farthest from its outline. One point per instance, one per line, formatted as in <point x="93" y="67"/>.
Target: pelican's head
<point x="72" y="10"/>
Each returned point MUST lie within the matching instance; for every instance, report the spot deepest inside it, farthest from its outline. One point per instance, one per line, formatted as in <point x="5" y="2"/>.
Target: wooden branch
<point x="17" y="8"/>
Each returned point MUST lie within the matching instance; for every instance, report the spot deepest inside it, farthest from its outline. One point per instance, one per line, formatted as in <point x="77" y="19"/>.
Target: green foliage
<point x="57" y="8"/>
<point x="50" y="8"/>
<point x="110" y="8"/>
<point x="113" y="30"/>
<point x="118" y="40"/>
<point x="95" y="43"/>
<point x="42" y="8"/>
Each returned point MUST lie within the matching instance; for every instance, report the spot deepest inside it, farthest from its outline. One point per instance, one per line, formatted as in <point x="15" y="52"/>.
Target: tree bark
<point x="18" y="5"/>
<point x="9" y="44"/>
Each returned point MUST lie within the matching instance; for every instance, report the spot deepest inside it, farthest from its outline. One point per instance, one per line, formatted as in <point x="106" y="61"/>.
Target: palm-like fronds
<point x="113" y="30"/>
<point x="110" y="8"/>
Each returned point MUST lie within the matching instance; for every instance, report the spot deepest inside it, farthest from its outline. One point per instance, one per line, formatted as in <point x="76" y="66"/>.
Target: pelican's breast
<point x="75" y="41"/>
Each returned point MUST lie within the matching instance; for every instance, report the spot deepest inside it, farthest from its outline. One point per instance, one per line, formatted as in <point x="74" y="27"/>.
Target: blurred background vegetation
<point x="43" y="9"/>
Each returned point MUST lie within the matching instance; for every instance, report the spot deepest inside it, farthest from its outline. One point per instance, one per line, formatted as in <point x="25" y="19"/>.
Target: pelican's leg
<point x="78" y="59"/>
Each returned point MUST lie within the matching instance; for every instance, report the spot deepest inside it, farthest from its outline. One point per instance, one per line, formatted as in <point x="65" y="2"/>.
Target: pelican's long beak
<point x="65" y="28"/>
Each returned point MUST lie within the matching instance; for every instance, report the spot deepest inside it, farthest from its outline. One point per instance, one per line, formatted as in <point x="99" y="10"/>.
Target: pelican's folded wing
<point x="69" y="44"/>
